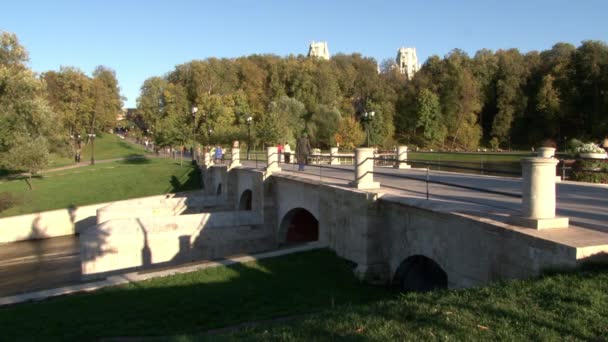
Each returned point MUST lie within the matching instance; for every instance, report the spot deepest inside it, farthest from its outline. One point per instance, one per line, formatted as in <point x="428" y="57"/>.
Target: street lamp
<point x="194" y="110"/>
<point x="249" y="122"/>
<point x="367" y="118"/>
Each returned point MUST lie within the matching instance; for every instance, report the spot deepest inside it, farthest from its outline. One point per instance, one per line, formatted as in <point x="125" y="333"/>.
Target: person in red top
<point x="280" y="152"/>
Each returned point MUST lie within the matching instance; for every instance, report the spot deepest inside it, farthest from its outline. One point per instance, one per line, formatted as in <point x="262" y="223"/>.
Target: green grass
<point x="468" y="157"/>
<point x="193" y="302"/>
<point x="107" y="146"/>
<point x="100" y="183"/>
<point x="557" y="307"/>
<point x="322" y="300"/>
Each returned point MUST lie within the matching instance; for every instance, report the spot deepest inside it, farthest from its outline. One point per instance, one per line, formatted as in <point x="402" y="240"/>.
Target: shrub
<point x="589" y="148"/>
<point x="592" y="171"/>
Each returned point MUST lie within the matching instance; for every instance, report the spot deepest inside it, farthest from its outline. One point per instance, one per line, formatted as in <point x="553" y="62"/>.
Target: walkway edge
<point x="136" y="277"/>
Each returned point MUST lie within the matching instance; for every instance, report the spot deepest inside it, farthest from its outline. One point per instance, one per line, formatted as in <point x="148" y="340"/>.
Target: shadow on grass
<point x="192" y="181"/>
<point x="195" y="302"/>
<point x="135" y="159"/>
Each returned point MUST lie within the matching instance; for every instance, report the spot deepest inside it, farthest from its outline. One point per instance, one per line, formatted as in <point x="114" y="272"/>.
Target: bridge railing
<point x="428" y="180"/>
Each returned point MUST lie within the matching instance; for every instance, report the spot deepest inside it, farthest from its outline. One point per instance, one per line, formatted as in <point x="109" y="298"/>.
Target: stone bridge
<point x="392" y="236"/>
<point x="386" y="226"/>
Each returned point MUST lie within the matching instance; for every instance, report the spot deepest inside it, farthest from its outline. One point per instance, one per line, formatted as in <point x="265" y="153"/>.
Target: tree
<point x="429" y="118"/>
<point x="106" y="94"/>
<point x="268" y="129"/>
<point x="69" y="92"/>
<point x="349" y="134"/>
<point x="26" y="121"/>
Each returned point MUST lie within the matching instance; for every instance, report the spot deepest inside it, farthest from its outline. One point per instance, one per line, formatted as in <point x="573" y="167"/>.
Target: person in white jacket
<point x="287" y="152"/>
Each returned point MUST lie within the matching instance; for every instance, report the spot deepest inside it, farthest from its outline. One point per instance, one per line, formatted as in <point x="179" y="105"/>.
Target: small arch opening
<point x="419" y="274"/>
<point x="245" y="201"/>
<point x="219" y="189"/>
<point x="299" y="226"/>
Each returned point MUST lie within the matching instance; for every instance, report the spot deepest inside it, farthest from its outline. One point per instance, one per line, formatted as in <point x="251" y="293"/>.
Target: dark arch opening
<point x="420" y="274"/>
<point x="219" y="189"/>
<point x="299" y="226"/>
<point x="245" y="201"/>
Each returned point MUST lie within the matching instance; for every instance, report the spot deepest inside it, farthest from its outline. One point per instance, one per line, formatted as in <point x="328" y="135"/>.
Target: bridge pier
<point x="364" y="169"/>
<point x="538" y="195"/>
<point x="401" y="162"/>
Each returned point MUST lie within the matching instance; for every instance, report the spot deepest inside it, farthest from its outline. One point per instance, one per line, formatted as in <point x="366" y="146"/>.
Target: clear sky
<point x="144" y="38"/>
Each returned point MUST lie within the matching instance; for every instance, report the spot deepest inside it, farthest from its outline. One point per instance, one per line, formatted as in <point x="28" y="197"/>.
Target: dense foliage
<point x="499" y="99"/>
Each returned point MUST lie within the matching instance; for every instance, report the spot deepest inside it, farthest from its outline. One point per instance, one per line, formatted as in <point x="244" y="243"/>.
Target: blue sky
<point x="144" y="38"/>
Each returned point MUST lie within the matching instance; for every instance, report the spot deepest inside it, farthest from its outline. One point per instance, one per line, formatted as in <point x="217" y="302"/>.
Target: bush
<point x="592" y="171"/>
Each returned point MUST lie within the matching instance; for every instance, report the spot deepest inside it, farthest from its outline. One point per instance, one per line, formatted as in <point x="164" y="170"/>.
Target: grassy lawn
<point x="100" y="183"/>
<point x="332" y="305"/>
<point x="558" y="307"/>
<point x="193" y="302"/>
<point x="107" y="146"/>
<point x="469" y="157"/>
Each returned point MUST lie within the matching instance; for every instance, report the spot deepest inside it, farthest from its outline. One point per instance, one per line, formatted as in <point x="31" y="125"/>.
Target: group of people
<point x="302" y="152"/>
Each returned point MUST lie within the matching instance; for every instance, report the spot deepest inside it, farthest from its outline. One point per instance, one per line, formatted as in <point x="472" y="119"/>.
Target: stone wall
<point x="139" y="243"/>
<point x="70" y="221"/>
<point x="471" y="251"/>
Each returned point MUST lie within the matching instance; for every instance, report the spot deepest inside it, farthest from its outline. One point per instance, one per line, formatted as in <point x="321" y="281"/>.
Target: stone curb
<point x="135" y="276"/>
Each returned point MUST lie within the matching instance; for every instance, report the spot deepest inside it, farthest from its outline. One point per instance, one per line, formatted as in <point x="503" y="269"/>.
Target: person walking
<point x="218" y="154"/>
<point x="287" y="152"/>
<point x="302" y="151"/>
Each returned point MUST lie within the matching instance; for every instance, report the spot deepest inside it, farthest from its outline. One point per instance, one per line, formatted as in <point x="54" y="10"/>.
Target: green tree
<point x="26" y="120"/>
<point x="69" y="92"/>
<point x="429" y="118"/>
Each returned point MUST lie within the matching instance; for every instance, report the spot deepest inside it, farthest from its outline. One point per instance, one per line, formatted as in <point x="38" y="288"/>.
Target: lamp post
<point x="194" y="110"/>
<point x="367" y="118"/>
<point x="249" y="122"/>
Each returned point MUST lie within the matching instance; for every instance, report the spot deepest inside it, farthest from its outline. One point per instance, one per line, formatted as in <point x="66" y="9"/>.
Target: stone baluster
<point x="236" y="157"/>
<point x="401" y="158"/>
<point x="538" y="195"/>
<point x="333" y="155"/>
<point x="364" y="168"/>
<point x="272" y="159"/>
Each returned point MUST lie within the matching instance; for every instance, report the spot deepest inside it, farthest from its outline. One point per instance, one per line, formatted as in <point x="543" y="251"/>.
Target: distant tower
<point x="407" y="62"/>
<point x="319" y="50"/>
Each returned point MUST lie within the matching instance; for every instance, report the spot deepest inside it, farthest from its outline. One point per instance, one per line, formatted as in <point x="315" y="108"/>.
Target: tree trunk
<point x="28" y="180"/>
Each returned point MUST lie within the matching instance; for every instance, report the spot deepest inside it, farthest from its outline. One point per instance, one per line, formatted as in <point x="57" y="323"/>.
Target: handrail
<point x="431" y="163"/>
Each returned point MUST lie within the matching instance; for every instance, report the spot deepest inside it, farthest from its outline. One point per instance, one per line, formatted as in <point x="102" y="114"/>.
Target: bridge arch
<point x="297" y="226"/>
<point x="419" y="273"/>
<point x="245" y="202"/>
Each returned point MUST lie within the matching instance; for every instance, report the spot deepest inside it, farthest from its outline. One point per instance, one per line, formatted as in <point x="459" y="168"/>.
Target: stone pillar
<point x="538" y="195"/>
<point x="236" y="157"/>
<point x="364" y="168"/>
<point x="207" y="161"/>
<point x="546" y="152"/>
<point x="402" y="158"/>
<point x="333" y="155"/>
<point x="272" y="159"/>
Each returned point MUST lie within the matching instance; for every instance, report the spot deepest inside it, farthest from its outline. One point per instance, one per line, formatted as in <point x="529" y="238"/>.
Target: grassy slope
<point x="556" y="307"/>
<point x="100" y="183"/>
<point x="107" y="146"/>
<point x="187" y="303"/>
